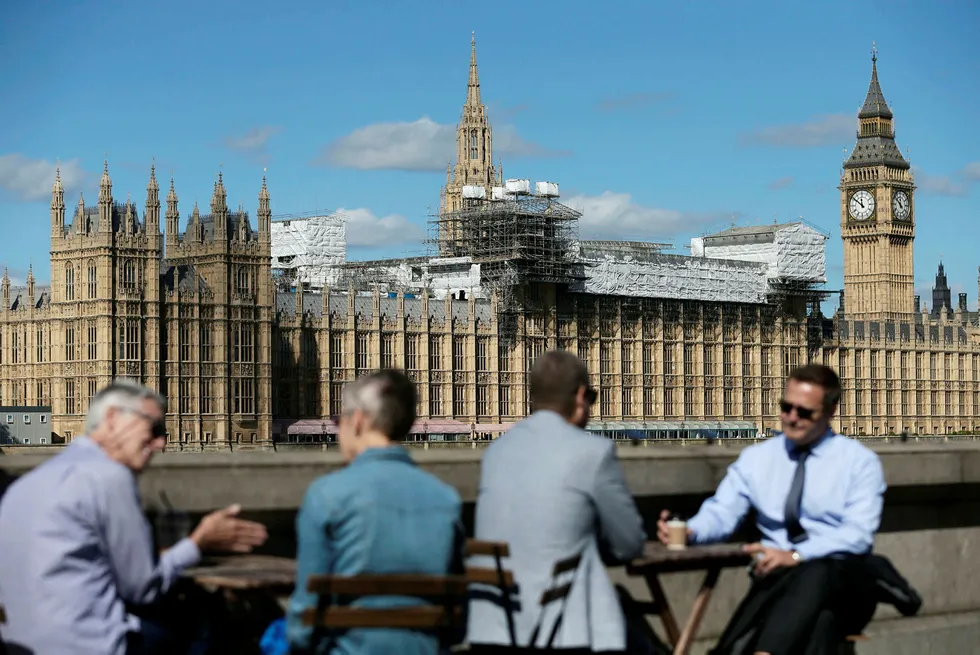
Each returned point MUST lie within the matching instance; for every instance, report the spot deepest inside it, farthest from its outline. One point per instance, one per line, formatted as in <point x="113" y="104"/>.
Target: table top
<point x="657" y="558"/>
<point x="243" y="572"/>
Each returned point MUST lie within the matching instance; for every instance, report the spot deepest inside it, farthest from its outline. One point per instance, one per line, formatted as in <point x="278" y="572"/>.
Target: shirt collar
<point x="815" y="447"/>
<point x="392" y="453"/>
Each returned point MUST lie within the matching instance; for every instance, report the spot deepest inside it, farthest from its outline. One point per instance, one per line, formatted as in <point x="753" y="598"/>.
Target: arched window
<point x="69" y="282"/>
<point x="93" y="281"/>
<point x="243" y="283"/>
<point x="129" y="274"/>
<point x="474" y="147"/>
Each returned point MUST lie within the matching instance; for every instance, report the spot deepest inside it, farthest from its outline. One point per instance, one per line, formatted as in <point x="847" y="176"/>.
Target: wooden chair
<point x="497" y="576"/>
<point x="555" y="593"/>
<point x="446" y="593"/>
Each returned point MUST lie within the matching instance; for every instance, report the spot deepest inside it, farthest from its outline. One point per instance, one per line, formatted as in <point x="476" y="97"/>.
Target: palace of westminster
<point x="199" y="315"/>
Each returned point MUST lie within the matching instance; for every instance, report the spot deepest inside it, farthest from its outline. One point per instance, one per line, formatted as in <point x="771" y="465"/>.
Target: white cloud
<point x="31" y="179"/>
<point x="365" y="229"/>
<point x="832" y="129"/>
<point x="421" y="145"/>
<point x="972" y="171"/>
<point x="941" y="185"/>
<point x="781" y="183"/>
<point x="253" y="141"/>
<point x="611" y="215"/>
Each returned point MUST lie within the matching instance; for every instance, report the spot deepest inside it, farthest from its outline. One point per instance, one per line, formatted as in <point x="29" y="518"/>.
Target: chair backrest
<point x="446" y="593"/>
<point x="555" y="593"/>
<point x="497" y="577"/>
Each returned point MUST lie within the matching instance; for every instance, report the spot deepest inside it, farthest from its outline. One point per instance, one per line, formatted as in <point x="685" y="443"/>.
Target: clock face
<point x="862" y="205"/>
<point x="900" y="205"/>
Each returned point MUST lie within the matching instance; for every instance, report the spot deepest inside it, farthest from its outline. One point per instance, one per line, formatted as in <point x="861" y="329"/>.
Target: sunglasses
<point x="157" y="426"/>
<point x="804" y="413"/>
<point x="591" y="395"/>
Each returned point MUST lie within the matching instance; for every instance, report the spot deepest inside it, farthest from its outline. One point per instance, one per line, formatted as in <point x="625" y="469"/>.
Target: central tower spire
<point x="474" y="144"/>
<point x="473" y="86"/>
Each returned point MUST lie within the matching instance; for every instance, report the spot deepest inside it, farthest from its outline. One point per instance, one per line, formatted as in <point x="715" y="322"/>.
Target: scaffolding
<point x="516" y="240"/>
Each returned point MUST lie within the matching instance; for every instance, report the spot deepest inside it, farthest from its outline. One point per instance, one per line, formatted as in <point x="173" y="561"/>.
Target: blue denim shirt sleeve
<point x="313" y="557"/>
<point x="720" y="515"/>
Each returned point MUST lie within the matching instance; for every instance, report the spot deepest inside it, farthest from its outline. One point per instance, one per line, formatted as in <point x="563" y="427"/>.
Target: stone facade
<point x="195" y="325"/>
<point x="196" y="315"/>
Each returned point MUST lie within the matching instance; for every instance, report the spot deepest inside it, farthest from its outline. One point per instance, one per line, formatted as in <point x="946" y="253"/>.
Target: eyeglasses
<point x="591" y="395"/>
<point x="158" y="427"/>
<point x="804" y="413"/>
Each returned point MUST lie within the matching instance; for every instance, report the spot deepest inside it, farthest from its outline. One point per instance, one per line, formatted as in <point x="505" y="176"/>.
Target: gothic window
<point x="336" y="398"/>
<point x="69" y="282"/>
<point x="412" y="352"/>
<point x="361" y="355"/>
<point x="243" y="343"/>
<point x="129" y="339"/>
<point x="244" y="394"/>
<point x="243" y="281"/>
<point x="387" y="348"/>
<point x="435" y="400"/>
<point x="185" y="396"/>
<point x="206" y="394"/>
<point x="185" y="341"/>
<point x="482" y="348"/>
<point x="459" y="353"/>
<point x="15" y="347"/>
<point x="129" y="275"/>
<point x="205" y="342"/>
<point x="482" y="401"/>
<point x="93" y="281"/>
<point x="504" y="397"/>
<point x="69" y="396"/>
<point x="435" y="354"/>
<point x="474" y="147"/>
<point x="93" y="340"/>
<point x="93" y="388"/>
<point x="459" y="400"/>
<point x="337" y="351"/>
<point x="69" y="343"/>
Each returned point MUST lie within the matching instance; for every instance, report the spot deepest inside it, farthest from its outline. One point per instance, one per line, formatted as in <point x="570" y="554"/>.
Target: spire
<point x="106" y="181"/>
<point x="153" y="178"/>
<point x="473" y="86"/>
<point x="57" y="187"/>
<point x="875" y="105"/>
<point x="172" y="195"/>
<point x="30" y="282"/>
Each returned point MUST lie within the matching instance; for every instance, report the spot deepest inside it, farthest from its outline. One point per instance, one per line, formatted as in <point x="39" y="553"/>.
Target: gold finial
<point x="874" y="51"/>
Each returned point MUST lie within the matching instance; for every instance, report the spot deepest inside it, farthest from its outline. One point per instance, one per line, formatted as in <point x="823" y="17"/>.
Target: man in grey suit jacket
<point x="552" y="491"/>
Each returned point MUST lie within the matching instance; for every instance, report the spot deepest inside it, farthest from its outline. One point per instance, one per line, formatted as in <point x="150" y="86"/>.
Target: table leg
<point x="663" y="609"/>
<point x="683" y="643"/>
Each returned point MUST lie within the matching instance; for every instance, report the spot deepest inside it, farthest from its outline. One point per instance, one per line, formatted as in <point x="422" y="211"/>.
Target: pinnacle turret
<point x="473" y="85"/>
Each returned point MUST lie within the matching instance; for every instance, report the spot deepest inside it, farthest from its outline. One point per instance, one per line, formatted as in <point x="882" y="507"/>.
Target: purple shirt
<point x="75" y="547"/>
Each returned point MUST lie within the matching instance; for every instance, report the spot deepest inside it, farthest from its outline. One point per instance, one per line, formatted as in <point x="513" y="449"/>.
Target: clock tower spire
<point x="877" y="218"/>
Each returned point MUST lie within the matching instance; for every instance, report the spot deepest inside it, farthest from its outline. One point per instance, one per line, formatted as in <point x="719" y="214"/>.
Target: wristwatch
<point x="797" y="557"/>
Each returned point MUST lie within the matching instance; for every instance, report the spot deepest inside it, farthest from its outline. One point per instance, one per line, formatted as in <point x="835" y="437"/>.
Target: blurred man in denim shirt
<point x="380" y="514"/>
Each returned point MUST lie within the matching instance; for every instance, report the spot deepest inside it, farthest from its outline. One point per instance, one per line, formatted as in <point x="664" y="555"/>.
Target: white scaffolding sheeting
<point x="314" y="247"/>
<point x="791" y="251"/>
<point x="677" y="277"/>
<point x="441" y="276"/>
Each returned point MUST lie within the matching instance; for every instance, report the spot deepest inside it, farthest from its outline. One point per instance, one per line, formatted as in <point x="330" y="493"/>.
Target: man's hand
<point x="223" y="530"/>
<point x="768" y="560"/>
<point x="662" y="534"/>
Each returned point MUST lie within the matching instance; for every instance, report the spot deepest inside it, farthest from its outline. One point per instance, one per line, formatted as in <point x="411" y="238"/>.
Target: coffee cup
<point x="676" y="534"/>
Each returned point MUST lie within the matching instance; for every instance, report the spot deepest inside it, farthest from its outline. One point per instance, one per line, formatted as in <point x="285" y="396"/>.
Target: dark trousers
<point x="180" y="622"/>
<point x="807" y="609"/>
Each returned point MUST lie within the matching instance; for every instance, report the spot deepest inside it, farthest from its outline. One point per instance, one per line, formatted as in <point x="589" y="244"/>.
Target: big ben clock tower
<point x="877" y="216"/>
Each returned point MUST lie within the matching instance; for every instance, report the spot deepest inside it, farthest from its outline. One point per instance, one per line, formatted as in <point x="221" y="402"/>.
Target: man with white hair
<point x="76" y="549"/>
<point x="380" y="514"/>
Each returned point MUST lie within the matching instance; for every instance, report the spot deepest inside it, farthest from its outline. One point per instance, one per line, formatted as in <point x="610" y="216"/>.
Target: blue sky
<point x="661" y="120"/>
